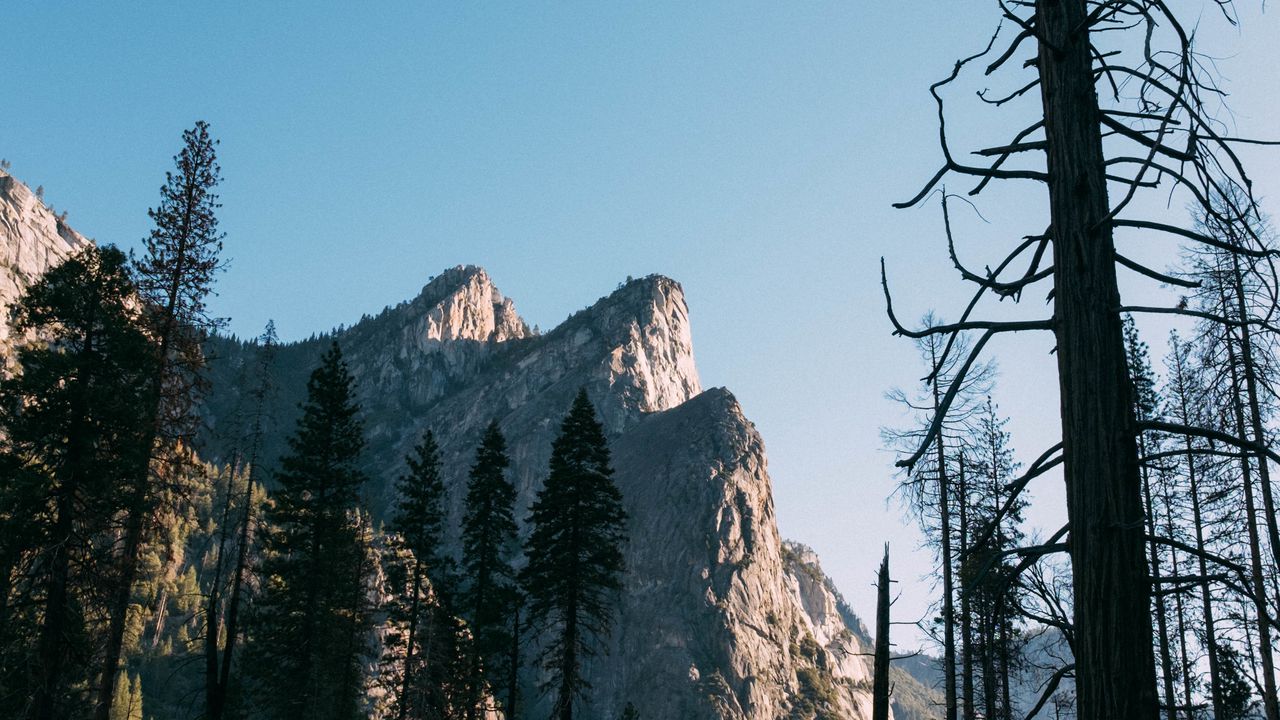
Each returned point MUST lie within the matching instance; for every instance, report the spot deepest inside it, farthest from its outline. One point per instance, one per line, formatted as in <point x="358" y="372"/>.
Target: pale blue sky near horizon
<point x="749" y="150"/>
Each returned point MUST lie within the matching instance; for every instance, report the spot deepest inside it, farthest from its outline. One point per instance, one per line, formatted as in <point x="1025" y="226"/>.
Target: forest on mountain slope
<point x="130" y="562"/>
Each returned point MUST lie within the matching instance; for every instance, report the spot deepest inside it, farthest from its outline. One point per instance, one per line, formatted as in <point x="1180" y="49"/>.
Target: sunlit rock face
<point x="32" y="240"/>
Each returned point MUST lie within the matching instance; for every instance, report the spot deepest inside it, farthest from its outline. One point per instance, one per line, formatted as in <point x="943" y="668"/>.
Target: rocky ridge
<point x="714" y="620"/>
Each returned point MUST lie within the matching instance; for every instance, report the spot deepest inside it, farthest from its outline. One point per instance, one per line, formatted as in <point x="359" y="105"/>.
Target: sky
<point x="749" y="150"/>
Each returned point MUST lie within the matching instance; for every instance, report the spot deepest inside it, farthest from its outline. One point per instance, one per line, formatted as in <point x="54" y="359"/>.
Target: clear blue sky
<point x="749" y="150"/>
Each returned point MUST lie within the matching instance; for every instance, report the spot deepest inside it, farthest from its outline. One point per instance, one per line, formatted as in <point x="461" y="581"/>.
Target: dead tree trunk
<point x="1251" y="381"/>
<point x="966" y="618"/>
<point x="1255" y="552"/>
<point x="1115" y="665"/>
<point x="1162" y="619"/>
<point x="880" y="682"/>
<point x="948" y="585"/>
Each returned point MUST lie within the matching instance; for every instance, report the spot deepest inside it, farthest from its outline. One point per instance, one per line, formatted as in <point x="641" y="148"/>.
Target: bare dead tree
<point x="929" y="488"/>
<point x="880" y="666"/>
<point x="1127" y="72"/>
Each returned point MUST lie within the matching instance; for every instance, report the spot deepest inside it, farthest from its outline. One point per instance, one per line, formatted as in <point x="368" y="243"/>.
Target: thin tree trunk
<point x="989" y="684"/>
<point x="54" y="630"/>
<point x="1162" y="621"/>
<point x="1006" y="701"/>
<point x="406" y="682"/>
<point x="1255" y="551"/>
<point x="880" y="680"/>
<point x="1251" y="380"/>
<point x="568" y="661"/>
<point x="966" y="617"/>
<point x="948" y="587"/>
<point x="1179" y="611"/>
<point x="1115" y="665"/>
<point x="513" y="680"/>
<point x="1197" y="521"/>
<point x="213" y="609"/>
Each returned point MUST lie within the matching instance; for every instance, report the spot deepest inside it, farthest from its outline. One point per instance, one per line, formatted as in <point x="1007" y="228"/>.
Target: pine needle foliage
<point x="575" y="553"/>
<point x="309" y="635"/>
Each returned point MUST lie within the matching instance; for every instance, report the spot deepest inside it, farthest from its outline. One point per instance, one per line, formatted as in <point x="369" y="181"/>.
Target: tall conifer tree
<point x="307" y="643"/>
<point x="421" y="663"/>
<point x="575" y="553"/>
<point x="71" y="436"/>
<point x="174" y="276"/>
<point x="488" y="544"/>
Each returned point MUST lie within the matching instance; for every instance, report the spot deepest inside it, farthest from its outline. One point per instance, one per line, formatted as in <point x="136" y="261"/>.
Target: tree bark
<point x="1115" y="665"/>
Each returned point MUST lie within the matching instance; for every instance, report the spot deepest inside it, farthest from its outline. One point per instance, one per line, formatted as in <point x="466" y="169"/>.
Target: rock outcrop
<point x="32" y="240"/>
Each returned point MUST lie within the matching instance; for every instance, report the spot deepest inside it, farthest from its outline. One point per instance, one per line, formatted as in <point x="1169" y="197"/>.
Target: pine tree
<point x="575" y="553"/>
<point x="930" y="486"/>
<point x="71" y="437"/>
<point x="488" y="544"/>
<point x="1147" y="405"/>
<point x="995" y="592"/>
<point x="128" y="698"/>
<point x="308" y="638"/>
<point x="420" y="665"/>
<point x="218" y="660"/>
<point x="174" y="277"/>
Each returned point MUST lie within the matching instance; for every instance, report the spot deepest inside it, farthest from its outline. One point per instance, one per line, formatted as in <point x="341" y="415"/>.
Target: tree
<point x="71" y="436"/>
<point x="488" y="545"/>
<point x="420" y="656"/>
<point x="1154" y="119"/>
<point x="128" y="698"/>
<point x="1146" y="407"/>
<point x="991" y="585"/>
<point x="930" y="486"/>
<point x="308" y="637"/>
<point x="574" y="553"/>
<point x="218" y="660"/>
<point x="880" y="665"/>
<point x="174" y="277"/>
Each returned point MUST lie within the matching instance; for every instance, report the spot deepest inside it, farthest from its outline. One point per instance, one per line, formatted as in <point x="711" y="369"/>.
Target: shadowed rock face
<point x="718" y="618"/>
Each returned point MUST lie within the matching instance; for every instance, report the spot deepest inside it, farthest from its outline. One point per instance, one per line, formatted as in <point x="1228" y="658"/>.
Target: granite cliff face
<point x="717" y="619"/>
<point x="32" y="240"/>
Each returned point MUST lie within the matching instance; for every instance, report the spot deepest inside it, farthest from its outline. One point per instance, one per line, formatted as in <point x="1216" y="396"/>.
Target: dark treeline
<point x="140" y="581"/>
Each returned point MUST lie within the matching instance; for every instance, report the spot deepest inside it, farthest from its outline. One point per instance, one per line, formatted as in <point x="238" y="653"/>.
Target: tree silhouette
<point x="575" y="552"/>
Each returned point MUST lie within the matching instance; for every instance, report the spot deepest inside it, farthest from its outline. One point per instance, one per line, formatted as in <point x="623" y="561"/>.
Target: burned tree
<point x="1125" y="71"/>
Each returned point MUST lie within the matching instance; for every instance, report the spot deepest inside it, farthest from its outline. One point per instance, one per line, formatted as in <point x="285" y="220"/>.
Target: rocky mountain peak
<point x="462" y="303"/>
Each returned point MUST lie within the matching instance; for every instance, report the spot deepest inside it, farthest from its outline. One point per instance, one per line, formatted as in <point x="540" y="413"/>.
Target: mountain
<point x="719" y="618"/>
<point x="716" y="620"/>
